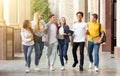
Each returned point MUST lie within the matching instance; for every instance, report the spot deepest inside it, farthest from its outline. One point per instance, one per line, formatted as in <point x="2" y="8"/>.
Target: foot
<point x="27" y="70"/>
<point x="96" y="69"/>
<point x="66" y="61"/>
<point x="52" y="68"/>
<point x="74" y="64"/>
<point x="90" y="65"/>
<point x="81" y="68"/>
<point x="37" y="68"/>
<point x="62" y="68"/>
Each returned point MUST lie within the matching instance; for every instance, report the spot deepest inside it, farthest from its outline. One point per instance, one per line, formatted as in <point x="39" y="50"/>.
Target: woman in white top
<point x="27" y="42"/>
<point x="63" y="41"/>
<point x="38" y="27"/>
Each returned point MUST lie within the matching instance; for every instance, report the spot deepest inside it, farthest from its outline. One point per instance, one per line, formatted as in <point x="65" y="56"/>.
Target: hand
<point x="42" y="30"/>
<point x="65" y="34"/>
<point x="99" y="41"/>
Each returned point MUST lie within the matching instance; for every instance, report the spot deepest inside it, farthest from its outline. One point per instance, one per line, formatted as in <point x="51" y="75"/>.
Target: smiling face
<point x="62" y="21"/>
<point x="94" y="17"/>
<point x="79" y="17"/>
<point x="53" y="19"/>
<point x="37" y="16"/>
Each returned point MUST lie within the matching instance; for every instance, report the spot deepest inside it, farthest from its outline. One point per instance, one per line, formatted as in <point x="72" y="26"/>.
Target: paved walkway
<point x="108" y="67"/>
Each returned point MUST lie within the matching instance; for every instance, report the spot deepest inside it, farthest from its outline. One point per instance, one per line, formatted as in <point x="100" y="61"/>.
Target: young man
<point x="93" y="28"/>
<point x="51" y="41"/>
<point x="79" y="29"/>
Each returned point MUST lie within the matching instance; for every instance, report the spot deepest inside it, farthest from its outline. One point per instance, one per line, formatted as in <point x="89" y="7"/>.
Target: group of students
<point x="36" y="34"/>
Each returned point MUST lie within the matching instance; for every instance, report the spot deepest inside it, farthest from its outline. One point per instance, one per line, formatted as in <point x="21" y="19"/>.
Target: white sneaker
<point x="62" y="68"/>
<point x="90" y="65"/>
<point x="51" y="68"/>
<point x="37" y="69"/>
<point x="66" y="62"/>
<point x="96" y="69"/>
<point x="27" y="70"/>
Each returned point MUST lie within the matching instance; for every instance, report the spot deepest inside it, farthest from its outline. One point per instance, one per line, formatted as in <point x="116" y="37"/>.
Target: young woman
<point x="63" y="41"/>
<point x="38" y="27"/>
<point x="27" y="42"/>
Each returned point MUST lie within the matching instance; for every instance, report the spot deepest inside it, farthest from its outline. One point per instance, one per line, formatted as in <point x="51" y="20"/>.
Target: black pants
<point x="74" y="52"/>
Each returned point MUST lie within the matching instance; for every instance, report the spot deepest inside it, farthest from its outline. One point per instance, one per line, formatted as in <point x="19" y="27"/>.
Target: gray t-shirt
<point x="53" y="33"/>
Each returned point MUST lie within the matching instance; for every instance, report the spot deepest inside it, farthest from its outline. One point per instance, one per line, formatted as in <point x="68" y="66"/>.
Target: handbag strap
<point x="99" y="28"/>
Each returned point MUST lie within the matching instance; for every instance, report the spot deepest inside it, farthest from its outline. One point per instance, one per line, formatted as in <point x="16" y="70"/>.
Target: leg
<point x="41" y="46"/>
<point x="61" y="44"/>
<point x="36" y="53"/>
<point x="75" y="46"/>
<point x="82" y="44"/>
<point x="53" y="54"/>
<point x="65" y="49"/>
<point x="90" y="50"/>
<point x="49" y="51"/>
<point x="96" y="54"/>
<point x="25" y="48"/>
<point x="30" y="48"/>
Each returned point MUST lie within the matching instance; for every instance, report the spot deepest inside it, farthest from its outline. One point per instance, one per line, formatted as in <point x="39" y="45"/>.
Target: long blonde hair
<point x="36" y="21"/>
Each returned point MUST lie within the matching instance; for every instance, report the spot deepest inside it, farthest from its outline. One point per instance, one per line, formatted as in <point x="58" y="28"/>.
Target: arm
<point x="26" y="37"/>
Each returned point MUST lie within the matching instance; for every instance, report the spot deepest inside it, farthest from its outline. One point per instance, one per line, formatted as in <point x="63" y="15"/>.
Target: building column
<point x="2" y="21"/>
<point x="107" y="47"/>
<point x="81" y="5"/>
<point x="24" y="9"/>
<point x="117" y="48"/>
<point x="11" y="12"/>
<point x="118" y="23"/>
<point x="28" y="9"/>
<point x="21" y="11"/>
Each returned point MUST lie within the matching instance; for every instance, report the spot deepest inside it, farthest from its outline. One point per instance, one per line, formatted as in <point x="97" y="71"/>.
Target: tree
<point x="41" y="6"/>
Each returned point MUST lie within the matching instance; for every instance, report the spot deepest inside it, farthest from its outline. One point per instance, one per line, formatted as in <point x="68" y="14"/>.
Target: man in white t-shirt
<point x="79" y="29"/>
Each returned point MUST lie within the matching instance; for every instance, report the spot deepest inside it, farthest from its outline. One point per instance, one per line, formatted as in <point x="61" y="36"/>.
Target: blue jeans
<point x="39" y="45"/>
<point x="63" y="47"/>
<point x="92" y="46"/>
<point x="27" y="53"/>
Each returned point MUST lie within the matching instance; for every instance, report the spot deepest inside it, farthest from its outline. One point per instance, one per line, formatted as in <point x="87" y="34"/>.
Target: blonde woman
<point x="27" y="42"/>
<point x="38" y="27"/>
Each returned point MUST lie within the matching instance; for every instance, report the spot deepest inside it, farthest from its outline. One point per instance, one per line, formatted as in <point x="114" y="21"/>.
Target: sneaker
<point x="90" y="65"/>
<point x="51" y="68"/>
<point x="96" y="69"/>
<point x="74" y="64"/>
<point x="66" y="61"/>
<point x="27" y="70"/>
<point x="37" y="69"/>
<point x="62" y="68"/>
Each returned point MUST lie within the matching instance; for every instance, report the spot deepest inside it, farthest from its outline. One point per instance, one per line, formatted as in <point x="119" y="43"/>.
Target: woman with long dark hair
<point x="63" y="40"/>
<point x="27" y="42"/>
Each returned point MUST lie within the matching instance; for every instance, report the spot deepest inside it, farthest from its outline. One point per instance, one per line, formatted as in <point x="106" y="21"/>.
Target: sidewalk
<point x="108" y="66"/>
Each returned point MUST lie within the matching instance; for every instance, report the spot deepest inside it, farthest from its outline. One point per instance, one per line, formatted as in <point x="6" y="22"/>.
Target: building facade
<point x="14" y="12"/>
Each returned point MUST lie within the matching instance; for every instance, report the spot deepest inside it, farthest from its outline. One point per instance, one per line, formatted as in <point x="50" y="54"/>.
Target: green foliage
<point x="41" y="6"/>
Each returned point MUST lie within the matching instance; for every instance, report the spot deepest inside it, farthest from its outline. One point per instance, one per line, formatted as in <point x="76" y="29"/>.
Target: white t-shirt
<point x="26" y="38"/>
<point x="79" y="32"/>
<point x="61" y="30"/>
